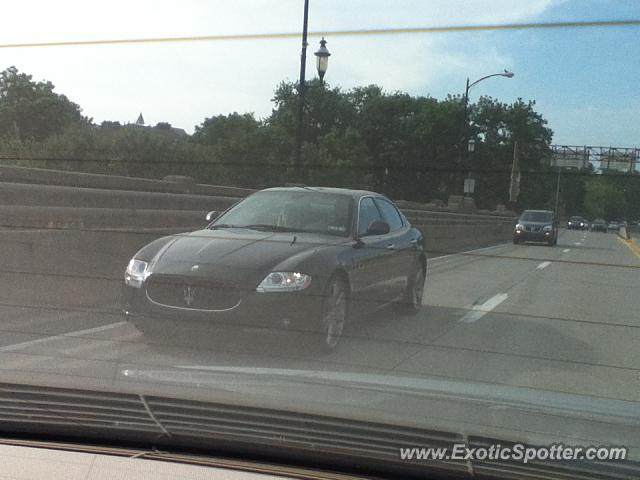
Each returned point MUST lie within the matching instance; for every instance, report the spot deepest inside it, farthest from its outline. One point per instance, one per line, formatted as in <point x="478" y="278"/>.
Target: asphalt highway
<point x="556" y="319"/>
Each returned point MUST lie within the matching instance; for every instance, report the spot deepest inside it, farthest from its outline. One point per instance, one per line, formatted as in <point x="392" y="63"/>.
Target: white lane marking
<point x="543" y="265"/>
<point x="461" y="254"/>
<point x="479" y="311"/>
<point x="566" y="250"/>
<point x="18" y="346"/>
<point x="577" y="243"/>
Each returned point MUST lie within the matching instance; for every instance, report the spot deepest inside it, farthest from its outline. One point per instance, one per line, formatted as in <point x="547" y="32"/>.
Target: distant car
<point x="599" y="225"/>
<point x="577" y="223"/>
<point x="613" y="226"/>
<point x="536" y="226"/>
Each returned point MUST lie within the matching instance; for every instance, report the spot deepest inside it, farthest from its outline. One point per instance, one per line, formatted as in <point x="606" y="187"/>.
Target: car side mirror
<point x="212" y="215"/>
<point x="378" y="228"/>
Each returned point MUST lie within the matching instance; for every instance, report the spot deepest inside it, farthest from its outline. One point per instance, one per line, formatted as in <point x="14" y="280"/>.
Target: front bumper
<point x="533" y="236"/>
<point x="279" y="310"/>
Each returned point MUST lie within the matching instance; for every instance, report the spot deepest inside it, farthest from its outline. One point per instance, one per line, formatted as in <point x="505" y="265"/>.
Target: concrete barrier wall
<point x="64" y="196"/>
<point x="37" y="217"/>
<point x="441" y="237"/>
<point x="115" y="207"/>
<point x="41" y="176"/>
<point x="76" y="257"/>
<point x="623" y="232"/>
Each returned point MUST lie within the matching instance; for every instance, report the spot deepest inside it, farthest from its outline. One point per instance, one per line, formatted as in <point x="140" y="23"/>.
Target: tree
<point x="222" y="128"/>
<point x="499" y="127"/>
<point x="31" y="109"/>
<point x="604" y="198"/>
<point x="110" y="124"/>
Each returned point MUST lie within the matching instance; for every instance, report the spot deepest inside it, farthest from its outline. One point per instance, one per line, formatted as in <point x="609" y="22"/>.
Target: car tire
<point x="411" y="302"/>
<point x="516" y="241"/>
<point x="335" y="312"/>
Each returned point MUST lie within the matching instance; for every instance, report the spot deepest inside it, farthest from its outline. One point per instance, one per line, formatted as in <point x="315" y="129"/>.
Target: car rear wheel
<point x="334" y="314"/>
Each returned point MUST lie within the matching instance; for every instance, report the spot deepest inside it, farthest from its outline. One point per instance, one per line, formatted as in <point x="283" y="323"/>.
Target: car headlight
<point x="284" y="282"/>
<point x="547" y="228"/>
<point x="519" y="226"/>
<point x="136" y="273"/>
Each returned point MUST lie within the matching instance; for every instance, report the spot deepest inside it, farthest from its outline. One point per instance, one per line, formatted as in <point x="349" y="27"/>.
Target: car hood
<point x="235" y="255"/>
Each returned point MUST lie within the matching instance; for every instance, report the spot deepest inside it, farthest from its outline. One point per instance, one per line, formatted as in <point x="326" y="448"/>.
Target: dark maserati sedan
<point x="299" y="258"/>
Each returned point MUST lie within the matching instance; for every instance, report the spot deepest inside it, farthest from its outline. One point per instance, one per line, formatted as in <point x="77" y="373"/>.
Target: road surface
<point x="563" y="319"/>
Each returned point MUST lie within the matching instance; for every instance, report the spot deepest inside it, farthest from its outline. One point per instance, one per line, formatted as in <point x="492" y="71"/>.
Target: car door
<point x="400" y="245"/>
<point x="371" y="261"/>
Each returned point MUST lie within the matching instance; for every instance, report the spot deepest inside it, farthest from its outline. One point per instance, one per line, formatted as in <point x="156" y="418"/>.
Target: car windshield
<point x="536" y="217"/>
<point x="305" y="211"/>
<point x="324" y="233"/>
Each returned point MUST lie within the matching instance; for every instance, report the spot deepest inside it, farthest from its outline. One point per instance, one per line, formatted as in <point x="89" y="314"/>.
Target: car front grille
<point x="529" y="228"/>
<point x="189" y="293"/>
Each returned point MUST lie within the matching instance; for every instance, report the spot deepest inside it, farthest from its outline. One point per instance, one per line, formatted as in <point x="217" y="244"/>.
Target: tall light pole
<point x="470" y="85"/>
<point x="301" y="91"/>
<point x="322" y="62"/>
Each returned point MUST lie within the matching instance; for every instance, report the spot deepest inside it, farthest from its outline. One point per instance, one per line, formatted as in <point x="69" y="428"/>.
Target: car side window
<point x="367" y="215"/>
<point x="389" y="214"/>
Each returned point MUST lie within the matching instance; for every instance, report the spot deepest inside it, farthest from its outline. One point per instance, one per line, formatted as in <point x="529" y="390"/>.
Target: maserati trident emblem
<point x="189" y="294"/>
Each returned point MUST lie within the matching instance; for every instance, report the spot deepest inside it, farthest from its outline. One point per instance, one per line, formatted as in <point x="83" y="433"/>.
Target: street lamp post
<point x="469" y="86"/>
<point x="301" y="91"/>
<point x="322" y="56"/>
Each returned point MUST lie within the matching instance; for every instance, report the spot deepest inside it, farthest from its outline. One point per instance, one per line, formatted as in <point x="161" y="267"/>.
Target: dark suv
<point x="536" y="226"/>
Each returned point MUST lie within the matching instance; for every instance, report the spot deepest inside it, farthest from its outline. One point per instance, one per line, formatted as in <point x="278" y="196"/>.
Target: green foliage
<point x="31" y="110"/>
<point x="613" y="196"/>
<point x="413" y="148"/>
<point x="127" y="150"/>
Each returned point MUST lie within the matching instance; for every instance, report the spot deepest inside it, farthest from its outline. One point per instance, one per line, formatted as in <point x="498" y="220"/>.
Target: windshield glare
<point x="306" y="211"/>
<point x="536" y="217"/>
<point x="339" y="228"/>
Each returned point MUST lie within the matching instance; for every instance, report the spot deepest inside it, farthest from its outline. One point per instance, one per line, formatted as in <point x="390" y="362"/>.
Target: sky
<point x="584" y="81"/>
